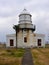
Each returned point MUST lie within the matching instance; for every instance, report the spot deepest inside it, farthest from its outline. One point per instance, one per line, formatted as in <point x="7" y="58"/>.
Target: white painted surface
<point x="31" y="39"/>
<point x="25" y="17"/>
<point x="8" y="37"/>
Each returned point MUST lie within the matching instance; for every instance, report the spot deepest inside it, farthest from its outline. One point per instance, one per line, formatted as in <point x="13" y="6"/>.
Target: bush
<point x="8" y="50"/>
<point x="19" y="55"/>
<point x="12" y="53"/>
<point x="21" y="50"/>
<point x="3" y="54"/>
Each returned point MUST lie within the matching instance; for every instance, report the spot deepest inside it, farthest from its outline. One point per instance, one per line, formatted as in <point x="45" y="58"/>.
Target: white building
<point x="25" y="36"/>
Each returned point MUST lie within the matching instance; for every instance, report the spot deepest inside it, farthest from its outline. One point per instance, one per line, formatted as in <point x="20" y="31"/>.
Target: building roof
<point x="39" y="35"/>
<point x="35" y="34"/>
<point x="10" y="35"/>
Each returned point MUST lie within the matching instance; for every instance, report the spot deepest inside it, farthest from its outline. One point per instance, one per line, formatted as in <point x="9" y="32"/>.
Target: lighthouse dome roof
<point x="25" y="12"/>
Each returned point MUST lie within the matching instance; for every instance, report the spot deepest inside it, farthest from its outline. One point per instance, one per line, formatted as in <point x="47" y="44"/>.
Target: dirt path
<point x="27" y="58"/>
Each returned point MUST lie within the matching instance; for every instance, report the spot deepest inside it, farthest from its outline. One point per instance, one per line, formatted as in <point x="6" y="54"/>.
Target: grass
<point x="40" y="56"/>
<point x="11" y="56"/>
<point x="14" y="56"/>
<point x="47" y="45"/>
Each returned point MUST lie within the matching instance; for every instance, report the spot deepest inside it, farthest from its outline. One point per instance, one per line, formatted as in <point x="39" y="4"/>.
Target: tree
<point x="16" y="27"/>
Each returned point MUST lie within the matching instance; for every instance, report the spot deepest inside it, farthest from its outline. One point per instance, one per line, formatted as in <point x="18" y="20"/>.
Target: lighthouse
<point x="25" y="36"/>
<point x="25" y="30"/>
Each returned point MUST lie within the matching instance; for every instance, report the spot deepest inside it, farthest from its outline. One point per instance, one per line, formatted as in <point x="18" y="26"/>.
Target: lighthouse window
<point x="25" y="39"/>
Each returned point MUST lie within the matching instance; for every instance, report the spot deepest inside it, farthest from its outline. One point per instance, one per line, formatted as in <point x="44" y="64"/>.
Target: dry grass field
<point x="11" y="56"/>
<point x="14" y="56"/>
<point x="40" y="56"/>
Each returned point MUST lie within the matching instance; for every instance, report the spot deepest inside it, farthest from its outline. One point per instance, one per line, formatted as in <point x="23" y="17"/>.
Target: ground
<point x="11" y="56"/>
<point x="40" y="56"/>
<point x="27" y="58"/>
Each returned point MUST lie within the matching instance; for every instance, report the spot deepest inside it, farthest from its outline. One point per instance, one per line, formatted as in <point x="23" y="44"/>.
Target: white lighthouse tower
<point x="26" y="30"/>
<point x="25" y="20"/>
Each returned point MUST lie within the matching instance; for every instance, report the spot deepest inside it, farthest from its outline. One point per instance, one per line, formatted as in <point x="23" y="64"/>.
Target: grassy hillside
<point x="11" y="56"/>
<point x="40" y="56"/>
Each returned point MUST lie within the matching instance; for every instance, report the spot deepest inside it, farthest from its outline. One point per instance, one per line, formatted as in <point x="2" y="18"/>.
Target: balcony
<point x="27" y="26"/>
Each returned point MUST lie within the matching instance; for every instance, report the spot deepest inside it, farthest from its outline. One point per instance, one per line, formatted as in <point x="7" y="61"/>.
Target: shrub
<point x="19" y="55"/>
<point x="8" y="50"/>
<point x="12" y="53"/>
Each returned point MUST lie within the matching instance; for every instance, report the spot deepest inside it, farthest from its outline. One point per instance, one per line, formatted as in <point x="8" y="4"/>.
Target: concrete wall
<point x="21" y="36"/>
<point x="8" y="37"/>
<point x="39" y="36"/>
<point x="32" y="39"/>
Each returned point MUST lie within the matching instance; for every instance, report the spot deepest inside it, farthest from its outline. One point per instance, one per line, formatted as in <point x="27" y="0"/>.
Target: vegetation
<point x="40" y="56"/>
<point x="11" y="56"/>
<point x="47" y="45"/>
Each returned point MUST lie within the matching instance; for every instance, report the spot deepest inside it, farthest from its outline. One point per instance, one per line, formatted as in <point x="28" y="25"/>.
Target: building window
<point x="25" y="39"/>
<point x="39" y="42"/>
<point x="11" y="42"/>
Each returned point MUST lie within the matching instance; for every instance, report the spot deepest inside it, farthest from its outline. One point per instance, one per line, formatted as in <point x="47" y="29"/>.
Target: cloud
<point x="10" y="9"/>
<point x="42" y="23"/>
<point x="38" y="5"/>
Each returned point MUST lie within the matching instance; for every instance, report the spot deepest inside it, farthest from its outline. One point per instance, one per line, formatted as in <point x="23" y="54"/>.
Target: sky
<point x="10" y="10"/>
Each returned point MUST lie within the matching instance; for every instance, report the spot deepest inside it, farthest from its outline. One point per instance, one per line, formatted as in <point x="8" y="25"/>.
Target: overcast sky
<point x="10" y="9"/>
